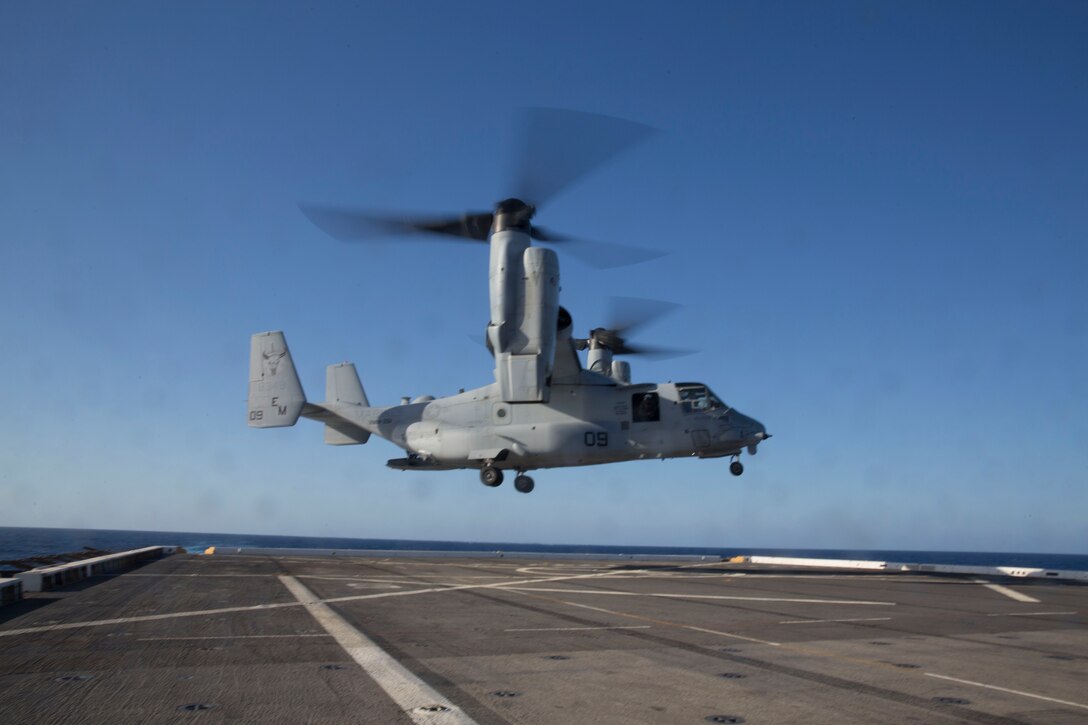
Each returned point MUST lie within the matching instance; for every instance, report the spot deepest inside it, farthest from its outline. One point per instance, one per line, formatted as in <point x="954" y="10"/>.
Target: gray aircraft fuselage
<point x="579" y="425"/>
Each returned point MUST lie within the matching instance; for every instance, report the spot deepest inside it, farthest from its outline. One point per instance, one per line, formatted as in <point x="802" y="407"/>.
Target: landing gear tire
<point x="736" y="468"/>
<point x="490" y="476"/>
<point x="524" y="484"/>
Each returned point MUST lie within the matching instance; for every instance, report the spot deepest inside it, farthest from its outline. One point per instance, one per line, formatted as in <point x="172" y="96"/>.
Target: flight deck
<point x="369" y="639"/>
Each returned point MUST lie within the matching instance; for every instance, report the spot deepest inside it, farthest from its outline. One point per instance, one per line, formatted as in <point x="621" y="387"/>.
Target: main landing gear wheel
<point x="524" y="484"/>
<point x="736" y="468"/>
<point x="491" y="476"/>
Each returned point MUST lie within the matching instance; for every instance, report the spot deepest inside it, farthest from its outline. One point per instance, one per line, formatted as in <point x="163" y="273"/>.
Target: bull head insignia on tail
<point x="271" y="360"/>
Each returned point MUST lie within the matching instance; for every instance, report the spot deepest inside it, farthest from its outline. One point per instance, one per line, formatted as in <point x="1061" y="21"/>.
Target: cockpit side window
<point x="645" y="408"/>
<point x="698" y="398"/>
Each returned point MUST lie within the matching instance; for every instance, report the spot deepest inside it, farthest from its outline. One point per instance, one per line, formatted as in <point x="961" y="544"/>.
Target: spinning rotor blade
<point x="555" y="148"/>
<point x="348" y="225"/>
<point x="620" y="346"/>
<point x="601" y="255"/>
<point x="654" y="352"/>
<point x="626" y="315"/>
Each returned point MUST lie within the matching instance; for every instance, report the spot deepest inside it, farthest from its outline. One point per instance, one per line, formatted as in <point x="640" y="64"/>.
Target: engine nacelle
<point x="524" y="312"/>
<point x="505" y="286"/>
<point x="537" y="327"/>
<point x="599" y="360"/>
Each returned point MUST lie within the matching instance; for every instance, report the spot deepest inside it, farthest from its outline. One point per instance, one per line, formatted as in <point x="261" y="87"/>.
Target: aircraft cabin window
<point x="645" y="407"/>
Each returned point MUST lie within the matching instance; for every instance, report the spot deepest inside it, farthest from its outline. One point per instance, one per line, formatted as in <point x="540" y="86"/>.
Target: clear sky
<point x="875" y="214"/>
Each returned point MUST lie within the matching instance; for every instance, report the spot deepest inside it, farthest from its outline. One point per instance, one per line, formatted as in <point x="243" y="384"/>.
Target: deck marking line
<point x="697" y="596"/>
<point x="1005" y="689"/>
<point x="574" y="629"/>
<point x="1026" y="614"/>
<point x="819" y="621"/>
<point x="405" y="688"/>
<point x="201" y="575"/>
<point x="459" y="587"/>
<point x="356" y="597"/>
<point x="671" y="624"/>
<point x="730" y="635"/>
<point x="229" y="636"/>
<point x="277" y="605"/>
<point x="1006" y="591"/>
<point x="144" y="618"/>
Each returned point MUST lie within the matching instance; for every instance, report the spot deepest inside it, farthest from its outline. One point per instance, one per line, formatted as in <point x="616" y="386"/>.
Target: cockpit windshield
<point x="694" y="396"/>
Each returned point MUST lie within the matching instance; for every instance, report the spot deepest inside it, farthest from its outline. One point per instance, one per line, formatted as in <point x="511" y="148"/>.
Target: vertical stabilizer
<point x="342" y="385"/>
<point x="344" y="394"/>
<point x="275" y="394"/>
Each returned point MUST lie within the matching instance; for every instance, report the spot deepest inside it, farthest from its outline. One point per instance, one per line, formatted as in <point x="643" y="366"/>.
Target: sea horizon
<point x="17" y="542"/>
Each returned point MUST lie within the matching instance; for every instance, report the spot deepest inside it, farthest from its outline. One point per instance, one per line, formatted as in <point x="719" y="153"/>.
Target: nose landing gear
<point x="736" y="467"/>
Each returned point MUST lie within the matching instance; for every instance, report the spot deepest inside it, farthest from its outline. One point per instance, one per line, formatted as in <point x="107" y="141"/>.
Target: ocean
<point x="18" y="543"/>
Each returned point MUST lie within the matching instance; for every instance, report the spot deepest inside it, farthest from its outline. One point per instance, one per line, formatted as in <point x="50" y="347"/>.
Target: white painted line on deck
<point x="142" y="618"/>
<point x="819" y="621"/>
<point x="573" y="629"/>
<point x="354" y="579"/>
<point x="730" y="635"/>
<point x="408" y="691"/>
<point x="1005" y="689"/>
<point x="230" y="636"/>
<point x="1006" y="591"/>
<point x="135" y="575"/>
<point x="669" y="595"/>
<point x="693" y="628"/>
<point x="460" y="587"/>
<point x="546" y="570"/>
<point x="1026" y="614"/>
<point x="510" y="585"/>
<point x="277" y="605"/>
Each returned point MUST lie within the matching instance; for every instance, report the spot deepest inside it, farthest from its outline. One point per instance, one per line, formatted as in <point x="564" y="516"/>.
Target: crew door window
<point x="645" y="407"/>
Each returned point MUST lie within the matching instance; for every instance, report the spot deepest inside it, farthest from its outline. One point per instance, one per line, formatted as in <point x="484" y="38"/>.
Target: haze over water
<point x="16" y="543"/>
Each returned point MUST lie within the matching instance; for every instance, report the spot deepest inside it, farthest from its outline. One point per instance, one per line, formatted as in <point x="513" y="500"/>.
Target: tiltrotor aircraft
<point x="545" y="409"/>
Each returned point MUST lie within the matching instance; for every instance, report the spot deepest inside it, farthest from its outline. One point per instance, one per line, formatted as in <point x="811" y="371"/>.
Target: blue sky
<point x="875" y="215"/>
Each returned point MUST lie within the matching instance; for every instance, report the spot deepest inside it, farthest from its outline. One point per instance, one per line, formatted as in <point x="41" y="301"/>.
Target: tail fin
<point x="275" y="394"/>
<point x="342" y="385"/>
<point x="343" y="394"/>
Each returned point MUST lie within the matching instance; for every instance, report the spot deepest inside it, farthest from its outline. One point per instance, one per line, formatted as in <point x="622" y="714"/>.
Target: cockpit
<point x="696" y="397"/>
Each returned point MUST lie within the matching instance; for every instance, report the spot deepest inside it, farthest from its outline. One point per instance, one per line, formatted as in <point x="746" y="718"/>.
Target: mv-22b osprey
<point x="544" y="410"/>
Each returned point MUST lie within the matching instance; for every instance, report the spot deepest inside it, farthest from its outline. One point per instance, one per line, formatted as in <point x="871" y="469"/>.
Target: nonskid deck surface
<point x="354" y="640"/>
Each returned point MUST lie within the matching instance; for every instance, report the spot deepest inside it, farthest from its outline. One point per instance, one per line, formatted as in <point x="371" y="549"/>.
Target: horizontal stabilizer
<point x="345" y="434"/>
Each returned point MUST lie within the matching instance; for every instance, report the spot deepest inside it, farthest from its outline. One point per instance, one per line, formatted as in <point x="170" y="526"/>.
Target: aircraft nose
<point x="758" y="435"/>
<point x="756" y="429"/>
<point x="748" y="428"/>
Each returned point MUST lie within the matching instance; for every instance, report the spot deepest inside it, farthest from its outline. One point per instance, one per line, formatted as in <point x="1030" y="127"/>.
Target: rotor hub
<point x="513" y="214"/>
<point x="610" y="339"/>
